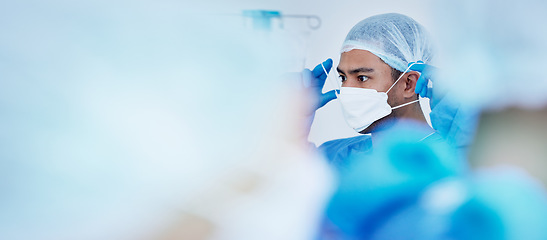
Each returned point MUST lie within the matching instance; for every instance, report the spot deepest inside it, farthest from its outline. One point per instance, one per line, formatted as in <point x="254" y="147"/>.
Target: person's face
<point x="362" y="69"/>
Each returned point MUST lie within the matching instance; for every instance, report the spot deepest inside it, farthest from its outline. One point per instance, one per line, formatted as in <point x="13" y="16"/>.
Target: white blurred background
<point x="118" y="117"/>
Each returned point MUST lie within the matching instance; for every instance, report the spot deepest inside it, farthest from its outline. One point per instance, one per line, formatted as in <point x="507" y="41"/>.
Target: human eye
<point x="362" y="78"/>
<point x="342" y="78"/>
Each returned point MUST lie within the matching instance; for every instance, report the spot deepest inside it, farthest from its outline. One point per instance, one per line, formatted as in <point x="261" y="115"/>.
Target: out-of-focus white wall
<point x="337" y="18"/>
<point x="123" y="118"/>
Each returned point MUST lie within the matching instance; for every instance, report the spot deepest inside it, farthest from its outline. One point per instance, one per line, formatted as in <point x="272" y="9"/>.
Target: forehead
<point x="357" y="58"/>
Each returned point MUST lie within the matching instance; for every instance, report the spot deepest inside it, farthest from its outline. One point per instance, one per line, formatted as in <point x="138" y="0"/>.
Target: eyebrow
<point x="357" y="70"/>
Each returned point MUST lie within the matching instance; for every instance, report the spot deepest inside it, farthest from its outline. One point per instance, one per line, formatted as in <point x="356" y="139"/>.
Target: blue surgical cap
<point x="394" y="38"/>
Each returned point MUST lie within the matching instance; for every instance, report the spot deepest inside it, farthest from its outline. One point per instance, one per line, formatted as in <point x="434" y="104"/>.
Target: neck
<point x="401" y="116"/>
<point x="412" y="112"/>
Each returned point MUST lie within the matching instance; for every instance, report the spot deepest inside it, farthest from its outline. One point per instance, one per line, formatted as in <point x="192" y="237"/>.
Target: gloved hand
<point x="456" y="123"/>
<point x="314" y="81"/>
<point x="427" y="72"/>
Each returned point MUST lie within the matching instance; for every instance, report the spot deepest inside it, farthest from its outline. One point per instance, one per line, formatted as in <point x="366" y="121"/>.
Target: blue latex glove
<point x="427" y="72"/>
<point x="315" y="79"/>
<point x="456" y="123"/>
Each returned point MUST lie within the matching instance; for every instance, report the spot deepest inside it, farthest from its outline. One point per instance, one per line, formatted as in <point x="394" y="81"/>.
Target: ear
<point x="410" y="79"/>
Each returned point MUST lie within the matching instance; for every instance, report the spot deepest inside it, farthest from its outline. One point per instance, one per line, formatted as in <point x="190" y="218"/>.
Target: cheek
<point x="394" y="97"/>
<point x="369" y="85"/>
<point x="377" y="84"/>
<point x="385" y="84"/>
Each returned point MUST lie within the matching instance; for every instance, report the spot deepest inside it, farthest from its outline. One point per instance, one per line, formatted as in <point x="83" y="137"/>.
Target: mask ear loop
<point x="408" y="103"/>
<point x="336" y="87"/>
<point x="402" y="105"/>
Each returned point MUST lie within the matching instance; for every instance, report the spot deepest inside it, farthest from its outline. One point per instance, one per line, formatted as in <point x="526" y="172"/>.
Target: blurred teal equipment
<point x="262" y="19"/>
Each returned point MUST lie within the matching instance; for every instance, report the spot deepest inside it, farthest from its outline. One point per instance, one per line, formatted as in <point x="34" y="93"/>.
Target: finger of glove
<point x="424" y="92"/>
<point x="418" y="67"/>
<point x="318" y="71"/>
<point x="326" y="97"/>
<point x="421" y="84"/>
<point x="423" y="68"/>
<point x="426" y="71"/>
<point x="429" y="93"/>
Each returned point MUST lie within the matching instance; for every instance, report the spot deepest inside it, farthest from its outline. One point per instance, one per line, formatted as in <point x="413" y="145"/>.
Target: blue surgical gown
<point x="338" y="151"/>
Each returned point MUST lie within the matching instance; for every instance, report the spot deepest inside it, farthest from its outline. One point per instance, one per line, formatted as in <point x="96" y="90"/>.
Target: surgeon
<point x="378" y="83"/>
<point x="502" y="194"/>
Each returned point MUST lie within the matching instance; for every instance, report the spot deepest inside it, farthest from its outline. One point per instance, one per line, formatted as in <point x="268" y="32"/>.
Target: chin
<point x="369" y="129"/>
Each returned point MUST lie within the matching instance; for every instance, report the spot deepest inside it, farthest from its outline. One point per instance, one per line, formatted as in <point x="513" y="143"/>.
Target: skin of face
<point x="362" y="69"/>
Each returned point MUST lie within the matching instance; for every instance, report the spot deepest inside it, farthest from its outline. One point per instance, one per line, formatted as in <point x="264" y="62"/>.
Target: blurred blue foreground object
<point x="500" y="203"/>
<point x="408" y="189"/>
<point x="377" y="186"/>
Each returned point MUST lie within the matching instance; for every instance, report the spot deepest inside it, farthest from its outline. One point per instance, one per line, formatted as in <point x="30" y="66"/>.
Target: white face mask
<point x="362" y="107"/>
